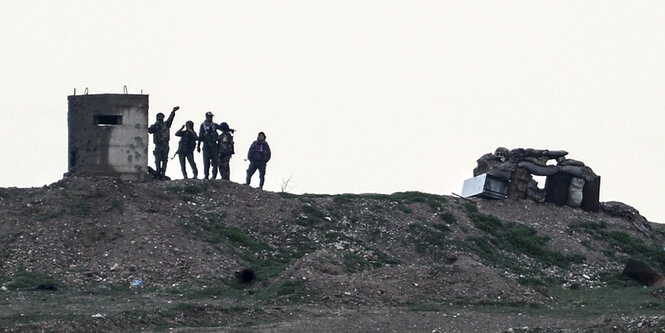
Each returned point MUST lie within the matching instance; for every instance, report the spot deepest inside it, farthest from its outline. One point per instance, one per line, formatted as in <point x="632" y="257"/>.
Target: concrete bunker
<point x="509" y="174"/>
<point x="108" y="136"/>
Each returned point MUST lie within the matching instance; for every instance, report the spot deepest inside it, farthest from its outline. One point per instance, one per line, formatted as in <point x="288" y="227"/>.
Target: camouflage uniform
<point x="161" y="134"/>
<point x="186" y="150"/>
<point x="225" y="150"/>
<point x="208" y="135"/>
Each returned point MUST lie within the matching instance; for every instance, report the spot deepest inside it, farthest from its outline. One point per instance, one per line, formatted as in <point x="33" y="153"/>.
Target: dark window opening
<point x="108" y="120"/>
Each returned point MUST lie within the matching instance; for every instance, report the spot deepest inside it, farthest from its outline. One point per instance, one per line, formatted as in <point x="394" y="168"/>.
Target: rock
<point x="631" y="214"/>
<point x="644" y="274"/>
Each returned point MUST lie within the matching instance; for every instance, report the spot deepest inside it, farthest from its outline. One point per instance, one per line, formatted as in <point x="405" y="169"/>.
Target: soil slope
<point x="108" y="255"/>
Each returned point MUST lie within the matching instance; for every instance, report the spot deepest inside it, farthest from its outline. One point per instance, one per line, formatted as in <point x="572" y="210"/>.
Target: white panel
<point x="474" y="186"/>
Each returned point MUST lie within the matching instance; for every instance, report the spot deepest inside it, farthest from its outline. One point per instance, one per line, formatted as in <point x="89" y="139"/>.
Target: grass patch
<point x="333" y="235"/>
<point x="487" y="223"/>
<point x="448" y="217"/>
<point x="82" y="207"/>
<point x="514" y="238"/>
<point x="265" y="260"/>
<point x="290" y="287"/>
<point x="432" y="239"/>
<point x="470" y="208"/>
<point x="404" y="209"/>
<point x="196" y="188"/>
<point x="342" y="199"/>
<point x="385" y="259"/>
<point x="312" y="216"/>
<point x="50" y="215"/>
<point x="651" y="254"/>
<point x="27" y="280"/>
<point x="354" y="263"/>
<point x="434" y="201"/>
<point x="609" y="301"/>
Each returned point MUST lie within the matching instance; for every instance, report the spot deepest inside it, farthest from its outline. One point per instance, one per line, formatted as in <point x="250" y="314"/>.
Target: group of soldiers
<point x="218" y="147"/>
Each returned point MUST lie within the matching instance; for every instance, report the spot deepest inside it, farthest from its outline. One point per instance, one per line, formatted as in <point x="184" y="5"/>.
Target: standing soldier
<point x="258" y="155"/>
<point x="208" y="135"/>
<point x="186" y="147"/>
<point x="225" y="150"/>
<point x="161" y="134"/>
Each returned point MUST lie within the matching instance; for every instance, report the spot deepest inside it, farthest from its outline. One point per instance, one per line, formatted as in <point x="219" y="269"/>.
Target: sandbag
<point x="574" y="170"/>
<point x="539" y="170"/>
<point x="571" y="162"/>
<point x="575" y="192"/>
<point x="554" y="154"/>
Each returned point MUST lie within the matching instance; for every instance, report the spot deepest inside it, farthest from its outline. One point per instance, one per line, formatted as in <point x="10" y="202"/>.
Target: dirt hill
<point x="99" y="254"/>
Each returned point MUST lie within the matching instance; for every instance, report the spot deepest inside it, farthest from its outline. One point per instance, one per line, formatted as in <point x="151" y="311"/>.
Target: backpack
<point x="226" y="144"/>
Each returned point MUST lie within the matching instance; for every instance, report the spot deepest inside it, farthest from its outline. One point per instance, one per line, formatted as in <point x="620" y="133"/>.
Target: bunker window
<point x="104" y="120"/>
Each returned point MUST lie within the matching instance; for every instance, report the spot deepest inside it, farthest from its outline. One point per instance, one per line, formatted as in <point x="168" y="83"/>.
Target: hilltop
<point x="100" y="254"/>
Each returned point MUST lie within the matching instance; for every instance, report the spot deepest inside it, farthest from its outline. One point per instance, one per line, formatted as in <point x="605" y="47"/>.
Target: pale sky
<point x="354" y="96"/>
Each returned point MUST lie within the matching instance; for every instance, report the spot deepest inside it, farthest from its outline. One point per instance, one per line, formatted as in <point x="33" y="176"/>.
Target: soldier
<point x="208" y="135"/>
<point x="161" y="135"/>
<point x="225" y="149"/>
<point x="186" y="147"/>
<point x="258" y="155"/>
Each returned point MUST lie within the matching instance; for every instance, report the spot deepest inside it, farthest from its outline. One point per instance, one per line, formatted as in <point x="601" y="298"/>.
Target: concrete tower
<point x="108" y="135"/>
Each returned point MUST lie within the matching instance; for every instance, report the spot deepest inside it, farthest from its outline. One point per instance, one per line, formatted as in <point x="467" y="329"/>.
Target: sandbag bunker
<point x="508" y="174"/>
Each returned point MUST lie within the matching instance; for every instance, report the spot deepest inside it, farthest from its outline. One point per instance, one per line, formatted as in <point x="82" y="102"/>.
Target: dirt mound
<point x="191" y="237"/>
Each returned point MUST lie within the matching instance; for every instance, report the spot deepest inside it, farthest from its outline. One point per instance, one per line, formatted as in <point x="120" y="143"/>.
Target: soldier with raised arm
<point x="161" y="134"/>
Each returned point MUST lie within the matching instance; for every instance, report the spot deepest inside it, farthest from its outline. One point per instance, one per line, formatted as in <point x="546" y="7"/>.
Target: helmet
<point x="209" y="114"/>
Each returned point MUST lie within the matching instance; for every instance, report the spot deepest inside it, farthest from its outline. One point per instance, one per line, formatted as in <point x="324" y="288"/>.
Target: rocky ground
<point x="99" y="254"/>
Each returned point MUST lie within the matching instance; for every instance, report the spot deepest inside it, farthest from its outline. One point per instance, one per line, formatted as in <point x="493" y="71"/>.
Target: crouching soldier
<point x="161" y="133"/>
<point x="258" y="156"/>
<point x="186" y="147"/>
<point x="225" y="149"/>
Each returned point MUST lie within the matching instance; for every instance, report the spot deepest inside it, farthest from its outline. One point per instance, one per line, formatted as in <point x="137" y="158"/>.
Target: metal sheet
<point x="474" y="186"/>
<point x="485" y="185"/>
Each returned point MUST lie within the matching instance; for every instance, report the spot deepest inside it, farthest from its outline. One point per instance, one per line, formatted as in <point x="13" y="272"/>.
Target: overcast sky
<point x="354" y="96"/>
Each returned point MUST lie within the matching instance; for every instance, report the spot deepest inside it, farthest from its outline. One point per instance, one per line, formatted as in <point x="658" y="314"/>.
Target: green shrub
<point x="432" y="239"/>
<point x="312" y="216"/>
<point x="470" y="207"/>
<point x="346" y="198"/>
<point x="515" y="238"/>
<point x="405" y="209"/>
<point x="354" y="263"/>
<point x="650" y="254"/>
<point x="448" y="217"/>
<point x="433" y="200"/>
<point x="488" y="223"/>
